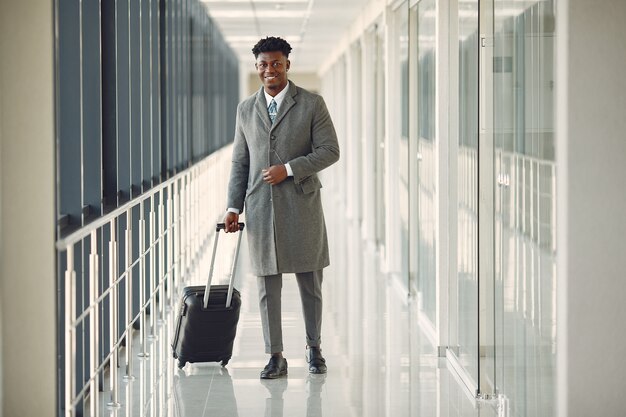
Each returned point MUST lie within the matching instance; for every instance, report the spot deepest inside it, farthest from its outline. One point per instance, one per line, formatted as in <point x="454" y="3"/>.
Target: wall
<point x="27" y="289"/>
<point x="1" y="255"/>
<point x="591" y="155"/>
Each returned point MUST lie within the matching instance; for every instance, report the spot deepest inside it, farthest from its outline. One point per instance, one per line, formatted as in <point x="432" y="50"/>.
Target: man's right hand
<point x="231" y="220"/>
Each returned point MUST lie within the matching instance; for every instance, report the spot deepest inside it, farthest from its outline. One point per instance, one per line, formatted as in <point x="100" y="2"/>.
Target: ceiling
<point x="312" y="27"/>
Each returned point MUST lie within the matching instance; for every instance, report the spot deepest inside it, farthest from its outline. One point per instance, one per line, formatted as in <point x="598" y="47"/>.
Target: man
<point x="284" y="136"/>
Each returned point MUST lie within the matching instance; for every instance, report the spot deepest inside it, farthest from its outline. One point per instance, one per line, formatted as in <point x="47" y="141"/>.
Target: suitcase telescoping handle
<point x="229" y="297"/>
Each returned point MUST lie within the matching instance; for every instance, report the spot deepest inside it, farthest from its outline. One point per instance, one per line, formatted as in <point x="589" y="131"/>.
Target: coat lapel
<point x="260" y="105"/>
<point x="286" y="105"/>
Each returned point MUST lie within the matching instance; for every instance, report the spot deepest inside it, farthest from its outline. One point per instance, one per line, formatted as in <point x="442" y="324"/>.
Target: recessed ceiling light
<point x="252" y="39"/>
<point x="249" y="14"/>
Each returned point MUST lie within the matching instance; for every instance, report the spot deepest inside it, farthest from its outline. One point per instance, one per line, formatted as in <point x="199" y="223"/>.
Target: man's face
<point x="272" y="69"/>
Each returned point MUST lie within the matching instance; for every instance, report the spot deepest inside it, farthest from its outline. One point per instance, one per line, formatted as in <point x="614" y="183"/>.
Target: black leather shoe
<point x="317" y="363"/>
<point x="275" y="368"/>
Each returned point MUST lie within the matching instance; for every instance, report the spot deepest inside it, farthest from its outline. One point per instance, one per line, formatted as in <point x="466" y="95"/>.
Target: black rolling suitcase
<point x="208" y="316"/>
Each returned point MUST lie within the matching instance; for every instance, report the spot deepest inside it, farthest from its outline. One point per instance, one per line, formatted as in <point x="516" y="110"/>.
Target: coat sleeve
<point x="324" y="145"/>
<point x="240" y="167"/>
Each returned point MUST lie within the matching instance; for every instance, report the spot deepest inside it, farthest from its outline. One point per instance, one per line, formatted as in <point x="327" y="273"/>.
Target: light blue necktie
<point x="272" y="110"/>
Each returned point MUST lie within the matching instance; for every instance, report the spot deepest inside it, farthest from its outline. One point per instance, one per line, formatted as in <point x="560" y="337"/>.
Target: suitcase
<point x="208" y="317"/>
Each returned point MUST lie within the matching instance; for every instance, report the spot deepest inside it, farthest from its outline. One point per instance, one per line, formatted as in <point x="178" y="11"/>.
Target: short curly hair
<point x="271" y="44"/>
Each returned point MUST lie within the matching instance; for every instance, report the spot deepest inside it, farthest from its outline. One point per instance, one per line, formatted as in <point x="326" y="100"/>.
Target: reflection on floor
<point x="380" y="364"/>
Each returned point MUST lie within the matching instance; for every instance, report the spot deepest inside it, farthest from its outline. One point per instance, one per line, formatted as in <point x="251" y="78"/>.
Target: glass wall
<point x="423" y="157"/>
<point x="492" y="84"/>
<point x="135" y="104"/>
<point x="463" y="295"/>
<point x="401" y="144"/>
<point x="354" y="150"/>
<point x="525" y="205"/>
<point x="379" y="166"/>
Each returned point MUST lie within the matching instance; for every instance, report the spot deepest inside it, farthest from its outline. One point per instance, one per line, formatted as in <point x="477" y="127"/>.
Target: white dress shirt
<point x="278" y="98"/>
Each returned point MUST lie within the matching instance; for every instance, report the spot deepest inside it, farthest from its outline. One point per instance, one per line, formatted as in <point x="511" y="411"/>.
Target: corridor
<point x="377" y="367"/>
<point x="475" y="215"/>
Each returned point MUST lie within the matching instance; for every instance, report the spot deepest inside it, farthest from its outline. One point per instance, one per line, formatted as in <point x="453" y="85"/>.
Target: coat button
<point x="273" y="137"/>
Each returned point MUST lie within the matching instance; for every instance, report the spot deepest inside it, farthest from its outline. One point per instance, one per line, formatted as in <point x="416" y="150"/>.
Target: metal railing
<point x="527" y="197"/>
<point x="174" y="221"/>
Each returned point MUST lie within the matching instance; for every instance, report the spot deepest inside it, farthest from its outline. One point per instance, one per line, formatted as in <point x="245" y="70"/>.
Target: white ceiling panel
<point x="312" y="27"/>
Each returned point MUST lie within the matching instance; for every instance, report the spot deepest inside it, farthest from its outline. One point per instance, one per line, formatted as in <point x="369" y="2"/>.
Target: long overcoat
<point x="285" y="222"/>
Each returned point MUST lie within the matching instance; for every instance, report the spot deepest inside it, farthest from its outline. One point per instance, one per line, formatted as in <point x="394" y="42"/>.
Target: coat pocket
<point x="310" y="184"/>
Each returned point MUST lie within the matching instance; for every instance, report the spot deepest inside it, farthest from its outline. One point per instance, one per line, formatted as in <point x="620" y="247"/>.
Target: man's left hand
<point x="275" y="174"/>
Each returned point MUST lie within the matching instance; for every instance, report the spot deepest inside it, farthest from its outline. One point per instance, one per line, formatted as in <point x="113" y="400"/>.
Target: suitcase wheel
<point x="181" y="364"/>
<point x="225" y="361"/>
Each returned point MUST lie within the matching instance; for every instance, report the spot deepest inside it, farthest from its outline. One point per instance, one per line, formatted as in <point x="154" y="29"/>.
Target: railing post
<point x="188" y="233"/>
<point x="182" y="228"/>
<point x="170" y="248"/>
<point x="195" y="214"/>
<point x="129" y="295"/>
<point x="113" y="315"/>
<point x="162" y="285"/>
<point x="187" y="217"/>
<point x="153" y="307"/>
<point x="93" y="326"/>
<point x="182" y="198"/>
<point x="70" y="341"/>
<point x="143" y="323"/>
<point x="176" y="233"/>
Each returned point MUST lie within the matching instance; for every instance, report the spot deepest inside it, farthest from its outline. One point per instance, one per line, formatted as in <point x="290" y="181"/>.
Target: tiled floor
<point x="380" y="364"/>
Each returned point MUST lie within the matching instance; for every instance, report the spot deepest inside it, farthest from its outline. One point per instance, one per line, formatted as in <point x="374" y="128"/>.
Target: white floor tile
<point x="380" y="364"/>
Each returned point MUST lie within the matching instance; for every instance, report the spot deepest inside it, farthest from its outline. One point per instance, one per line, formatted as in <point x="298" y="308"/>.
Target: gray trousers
<point x="270" y="288"/>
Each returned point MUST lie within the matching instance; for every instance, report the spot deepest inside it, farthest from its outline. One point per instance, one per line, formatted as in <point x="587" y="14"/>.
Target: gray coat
<point x="284" y="223"/>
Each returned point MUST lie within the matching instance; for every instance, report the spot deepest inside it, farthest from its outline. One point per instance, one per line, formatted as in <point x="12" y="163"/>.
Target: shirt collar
<point x="278" y="98"/>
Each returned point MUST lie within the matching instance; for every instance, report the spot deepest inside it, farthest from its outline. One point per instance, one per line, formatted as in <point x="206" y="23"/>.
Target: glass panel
<point x="91" y="170"/>
<point x="525" y="205"/>
<point x="464" y="289"/>
<point x="414" y="252"/>
<point x="68" y="115"/>
<point x="402" y="149"/>
<point x="145" y="97"/>
<point x="423" y="156"/>
<point x="135" y="99"/>
<point x="154" y="87"/>
<point x="109" y="108"/>
<point x="427" y="154"/>
<point x="354" y="145"/>
<point x="379" y="169"/>
<point x="486" y="287"/>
